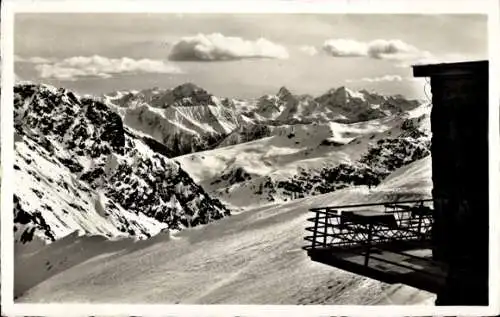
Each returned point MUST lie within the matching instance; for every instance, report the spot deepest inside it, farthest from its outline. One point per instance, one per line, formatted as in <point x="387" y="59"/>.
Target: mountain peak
<point x="284" y="93"/>
<point x="196" y="95"/>
<point x="343" y="90"/>
<point x="337" y="96"/>
<point x="188" y="89"/>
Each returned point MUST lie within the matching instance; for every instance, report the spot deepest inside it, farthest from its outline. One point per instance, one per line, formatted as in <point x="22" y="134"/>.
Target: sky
<point x="241" y="55"/>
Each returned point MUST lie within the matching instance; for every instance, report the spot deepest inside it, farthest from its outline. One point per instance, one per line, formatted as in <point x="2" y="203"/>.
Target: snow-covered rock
<point x="295" y="161"/>
<point x="363" y="105"/>
<point x="189" y="119"/>
<point x="78" y="168"/>
<point x="185" y="119"/>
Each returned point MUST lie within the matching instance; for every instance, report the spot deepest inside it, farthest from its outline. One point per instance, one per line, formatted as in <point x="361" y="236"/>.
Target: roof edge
<point x="445" y="69"/>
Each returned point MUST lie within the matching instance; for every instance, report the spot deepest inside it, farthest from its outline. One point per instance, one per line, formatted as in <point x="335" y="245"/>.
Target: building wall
<point x="459" y="148"/>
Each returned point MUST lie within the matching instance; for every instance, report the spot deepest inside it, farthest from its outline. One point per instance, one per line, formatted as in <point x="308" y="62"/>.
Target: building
<point x="441" y="248"/>
<point x="459" y="121"/>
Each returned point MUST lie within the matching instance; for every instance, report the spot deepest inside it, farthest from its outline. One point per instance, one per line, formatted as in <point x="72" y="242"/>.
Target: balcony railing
<point x="385" y="241"/>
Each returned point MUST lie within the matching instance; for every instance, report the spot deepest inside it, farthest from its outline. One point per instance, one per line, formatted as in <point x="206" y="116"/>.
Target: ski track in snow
<point x="253" y="257"/>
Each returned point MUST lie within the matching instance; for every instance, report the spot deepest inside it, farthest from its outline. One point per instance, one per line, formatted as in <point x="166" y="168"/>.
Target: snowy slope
<point x="293" y="161"/>
<point x="79" y="169"/>
<point x="253" y="257"/>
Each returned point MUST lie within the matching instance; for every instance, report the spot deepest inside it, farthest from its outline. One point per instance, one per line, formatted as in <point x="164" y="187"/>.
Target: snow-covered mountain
<point x="337" y="104"/>
<point x="78" y="167"/>
<point x="185" y="119"/>
<point x="294" y="161"/>
<point x="363" y="105"/>
<point x="189" y="119"/>
<point x="105" y="167"/>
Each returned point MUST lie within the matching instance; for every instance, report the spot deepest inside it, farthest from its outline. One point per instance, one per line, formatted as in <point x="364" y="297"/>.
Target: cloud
<point x="310" y="50"/>
<point x="385" y="78"/>
<point x="446" y="58"/>
<point x="345" y="48"/>
<point x="217" y="47"/>
<point x="101" y="67"/>
<point x="377" y="49"/>
<point x="33" y="60"/>
<point x="431" y="59"/>
<point x="395" y="50"/>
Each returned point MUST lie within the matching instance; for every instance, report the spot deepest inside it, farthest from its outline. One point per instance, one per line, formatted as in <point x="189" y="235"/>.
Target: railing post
<point x="315" y="232"/>
<point x="420" y="227"/>
<point x="326" y="228"/>
<point x="368" y="244"/>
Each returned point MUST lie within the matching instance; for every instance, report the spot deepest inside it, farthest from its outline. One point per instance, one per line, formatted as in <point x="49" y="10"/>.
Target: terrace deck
<point x="387" y="266"/>
<point x="391" y="245"/>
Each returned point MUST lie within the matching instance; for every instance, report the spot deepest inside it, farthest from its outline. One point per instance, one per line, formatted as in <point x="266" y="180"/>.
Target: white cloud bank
<point x="445" y="58"/>
<point x="101" y="67"/>
<point x="217" y="47"/>
<point x="385" y="78"/>
<point x="382" y="78"/>
<point x="377" y="49"/>
<point x="32" y="60"/>
<point x="345" y="48"/>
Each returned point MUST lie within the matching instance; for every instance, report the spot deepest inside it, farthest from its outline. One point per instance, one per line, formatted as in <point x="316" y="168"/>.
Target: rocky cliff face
<point x="79" y="168"/>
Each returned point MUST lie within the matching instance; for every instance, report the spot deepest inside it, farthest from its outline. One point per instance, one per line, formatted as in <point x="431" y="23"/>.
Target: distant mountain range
<point x="189" y="119"/>
<point x="135" y="163"/>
